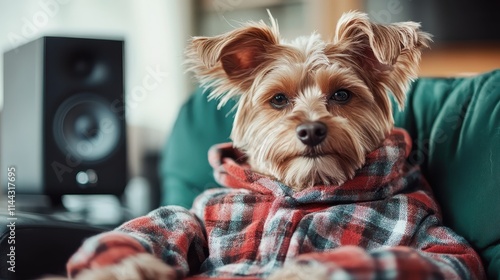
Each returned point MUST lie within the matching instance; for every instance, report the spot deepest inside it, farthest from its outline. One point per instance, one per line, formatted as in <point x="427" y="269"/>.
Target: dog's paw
<point x="301" y="270"/>
<point x="138" y="267"/>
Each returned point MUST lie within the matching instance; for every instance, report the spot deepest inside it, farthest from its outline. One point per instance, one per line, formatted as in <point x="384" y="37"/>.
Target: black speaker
<point x="60" y="130"/>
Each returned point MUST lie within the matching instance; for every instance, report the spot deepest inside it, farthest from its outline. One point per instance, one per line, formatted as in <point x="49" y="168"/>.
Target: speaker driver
<point x="86" y="128"/>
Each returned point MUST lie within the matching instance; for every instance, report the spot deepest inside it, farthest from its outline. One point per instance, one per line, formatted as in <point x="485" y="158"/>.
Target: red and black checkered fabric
<point x="382" y="224"/>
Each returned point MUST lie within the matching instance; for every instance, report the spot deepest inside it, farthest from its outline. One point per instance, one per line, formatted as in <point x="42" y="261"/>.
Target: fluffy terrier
<point x="317" y="182"/>
<point x="309" y="111"/>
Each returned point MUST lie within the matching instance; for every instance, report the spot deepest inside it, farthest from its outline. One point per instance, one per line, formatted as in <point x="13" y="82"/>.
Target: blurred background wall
<point x="155" y="32"/>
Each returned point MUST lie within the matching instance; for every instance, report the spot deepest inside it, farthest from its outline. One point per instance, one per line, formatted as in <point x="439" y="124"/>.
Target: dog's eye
<point x="279" y="101"/>
<point x="341" y="96"/>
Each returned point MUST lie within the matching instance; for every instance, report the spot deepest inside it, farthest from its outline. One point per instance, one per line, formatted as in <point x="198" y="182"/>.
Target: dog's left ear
<point x="387" y="54"/>
<point x="229" y="63"/>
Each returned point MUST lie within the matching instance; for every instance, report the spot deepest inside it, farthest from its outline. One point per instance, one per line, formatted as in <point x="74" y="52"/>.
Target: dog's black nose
<point x="311" y="133"/>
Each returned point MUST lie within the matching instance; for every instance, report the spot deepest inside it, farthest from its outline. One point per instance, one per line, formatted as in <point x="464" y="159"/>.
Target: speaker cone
<point x="86" y="128"/>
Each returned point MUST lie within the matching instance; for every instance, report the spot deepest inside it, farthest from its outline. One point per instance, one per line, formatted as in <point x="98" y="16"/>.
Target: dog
<point x="317" y="182"/>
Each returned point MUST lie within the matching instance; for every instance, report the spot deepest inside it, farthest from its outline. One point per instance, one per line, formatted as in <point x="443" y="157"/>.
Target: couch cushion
<point x="184" y="168"/>
<point x="455" y="125"/>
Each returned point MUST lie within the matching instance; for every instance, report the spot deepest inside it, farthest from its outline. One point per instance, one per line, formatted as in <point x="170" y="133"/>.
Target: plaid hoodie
<point x="256" y="225"/>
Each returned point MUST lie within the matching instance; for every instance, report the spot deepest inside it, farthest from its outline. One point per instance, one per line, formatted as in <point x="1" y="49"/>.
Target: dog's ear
<point x="229" y="63"/>
<point x="388" y="54"/>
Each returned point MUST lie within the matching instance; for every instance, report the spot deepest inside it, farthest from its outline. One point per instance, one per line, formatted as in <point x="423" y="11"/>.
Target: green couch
<point x="455" y="125"/>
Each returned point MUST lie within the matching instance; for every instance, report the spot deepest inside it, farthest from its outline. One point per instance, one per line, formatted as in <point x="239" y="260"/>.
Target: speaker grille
<point x="85" y="137"/>
<point x="68" y="139"/>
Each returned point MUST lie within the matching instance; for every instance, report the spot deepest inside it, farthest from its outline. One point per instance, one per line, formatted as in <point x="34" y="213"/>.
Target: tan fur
<point x="253" y="64"/>
<point x="139" y="267"/>
<point x="297" y="271"/>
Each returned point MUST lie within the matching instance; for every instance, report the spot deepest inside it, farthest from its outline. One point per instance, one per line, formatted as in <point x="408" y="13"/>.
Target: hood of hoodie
<point x="375" y="180"/>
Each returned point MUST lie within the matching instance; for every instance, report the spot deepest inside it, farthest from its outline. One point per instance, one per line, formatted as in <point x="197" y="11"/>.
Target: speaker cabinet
<point x="60" y="129"/>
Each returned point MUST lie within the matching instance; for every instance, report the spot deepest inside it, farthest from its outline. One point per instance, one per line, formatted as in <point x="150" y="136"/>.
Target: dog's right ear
<point x="229" y="63"/>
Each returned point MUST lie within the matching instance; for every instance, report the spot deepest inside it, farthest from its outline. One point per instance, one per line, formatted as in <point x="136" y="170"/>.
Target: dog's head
<point x="308" y="110"/>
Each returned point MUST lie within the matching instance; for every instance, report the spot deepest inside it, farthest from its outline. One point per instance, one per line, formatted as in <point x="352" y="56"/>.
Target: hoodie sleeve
<point x="436" y="252"/>
<point x="171" y="233"/>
